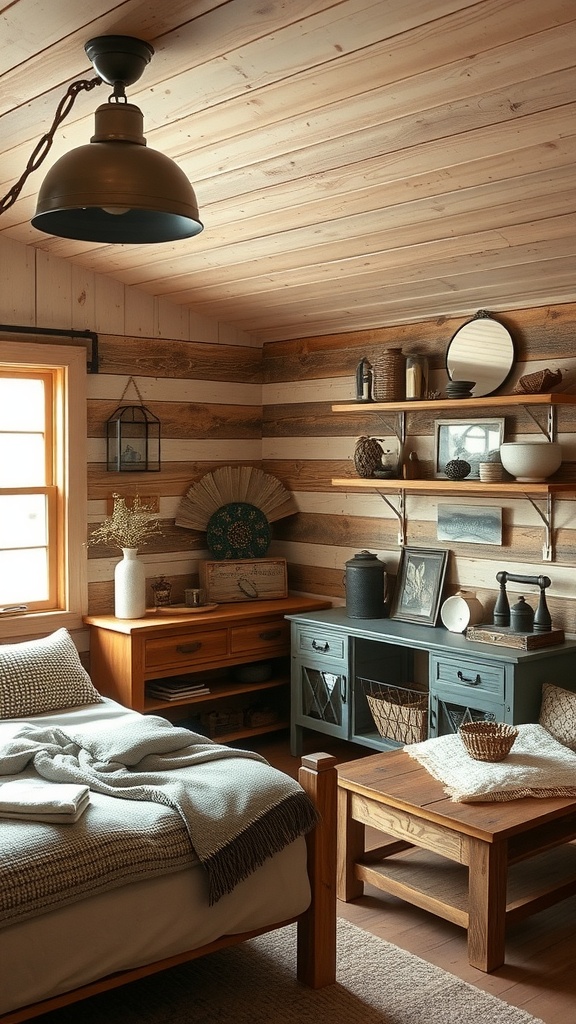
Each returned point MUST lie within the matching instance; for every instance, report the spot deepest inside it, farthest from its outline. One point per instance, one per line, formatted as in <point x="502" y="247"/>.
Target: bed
<point x="134" y="884"/>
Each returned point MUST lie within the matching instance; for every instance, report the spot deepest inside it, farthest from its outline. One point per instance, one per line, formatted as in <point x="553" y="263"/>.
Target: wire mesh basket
<point x="399" y="713"/>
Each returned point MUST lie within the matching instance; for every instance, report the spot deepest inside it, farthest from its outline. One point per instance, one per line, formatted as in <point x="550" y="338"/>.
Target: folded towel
<point x="36" y="800"/>
<point x="537" y="766"/>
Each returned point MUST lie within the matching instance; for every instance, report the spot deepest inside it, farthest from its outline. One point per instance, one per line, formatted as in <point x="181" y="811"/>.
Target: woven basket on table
<point x="398" y="714"/>
<point x="488" y="741"/>
<point x="389" y="376"/>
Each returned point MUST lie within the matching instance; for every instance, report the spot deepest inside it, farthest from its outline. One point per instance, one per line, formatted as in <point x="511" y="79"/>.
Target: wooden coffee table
<point x="480" y="866"/>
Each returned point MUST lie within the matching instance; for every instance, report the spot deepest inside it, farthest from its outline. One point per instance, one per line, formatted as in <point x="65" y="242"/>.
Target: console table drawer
<point x="185" y="649"/>
<point x="321" y="643"/>
<point x="261" y="638"/>
<point x="466" y="674"/>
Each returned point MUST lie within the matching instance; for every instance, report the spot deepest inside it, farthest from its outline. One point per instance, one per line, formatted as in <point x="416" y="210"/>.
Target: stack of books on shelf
<point x="175" y="689"/>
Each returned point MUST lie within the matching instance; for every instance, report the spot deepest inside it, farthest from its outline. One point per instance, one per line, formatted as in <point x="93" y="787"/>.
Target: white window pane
<point x="22" y="460"/>
<point x="23" y="521"/>
<point x="21" y="404"/>
<point x="23" y="576"/>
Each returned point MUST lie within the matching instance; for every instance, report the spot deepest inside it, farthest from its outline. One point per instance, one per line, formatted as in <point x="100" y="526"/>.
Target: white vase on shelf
<point x="129" y="586"/>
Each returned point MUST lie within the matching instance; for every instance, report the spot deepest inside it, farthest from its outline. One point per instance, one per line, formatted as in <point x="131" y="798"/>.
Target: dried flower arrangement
<point x="127" y="527"/>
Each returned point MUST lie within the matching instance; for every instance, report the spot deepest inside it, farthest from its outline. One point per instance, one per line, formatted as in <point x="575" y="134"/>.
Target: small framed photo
<point x="470" y="440"/>
<point x="418" y="591"/>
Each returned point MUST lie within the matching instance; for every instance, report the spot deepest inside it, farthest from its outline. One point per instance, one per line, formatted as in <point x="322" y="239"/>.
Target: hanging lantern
<point x="133" y="438"/>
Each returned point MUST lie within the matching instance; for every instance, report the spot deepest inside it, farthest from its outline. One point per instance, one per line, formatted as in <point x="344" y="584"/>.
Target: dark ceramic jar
<point x="521" y="617"/>
<point x="365" y="583"/>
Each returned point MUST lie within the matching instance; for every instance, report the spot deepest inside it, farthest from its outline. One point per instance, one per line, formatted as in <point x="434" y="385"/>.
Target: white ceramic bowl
<point x="531" y="461"/>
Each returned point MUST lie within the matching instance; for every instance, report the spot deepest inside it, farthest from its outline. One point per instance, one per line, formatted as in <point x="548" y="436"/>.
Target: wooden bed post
<point x="316" y="960"/>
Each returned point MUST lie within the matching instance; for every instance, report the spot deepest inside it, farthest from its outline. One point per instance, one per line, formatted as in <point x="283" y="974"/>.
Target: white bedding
<point x="141" y="922"/>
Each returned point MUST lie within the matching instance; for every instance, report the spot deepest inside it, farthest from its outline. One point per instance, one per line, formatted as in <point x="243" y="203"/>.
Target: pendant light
<point x="115" y="189"/>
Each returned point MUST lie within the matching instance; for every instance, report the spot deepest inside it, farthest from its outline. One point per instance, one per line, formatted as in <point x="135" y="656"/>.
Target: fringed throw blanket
<point x="234" y="809"/>
<point x="537" y="766"/>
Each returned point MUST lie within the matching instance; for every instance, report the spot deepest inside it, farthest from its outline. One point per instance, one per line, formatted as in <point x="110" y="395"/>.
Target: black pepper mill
<point x="365" y="584"/>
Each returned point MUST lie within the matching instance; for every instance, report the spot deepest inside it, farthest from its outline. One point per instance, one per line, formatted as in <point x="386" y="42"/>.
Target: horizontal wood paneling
<point x="307" y="445"/>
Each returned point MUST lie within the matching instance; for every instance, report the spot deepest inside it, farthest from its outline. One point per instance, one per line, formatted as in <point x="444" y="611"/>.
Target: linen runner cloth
<point x="536" y="766"/>
<point x="236" y="808"/>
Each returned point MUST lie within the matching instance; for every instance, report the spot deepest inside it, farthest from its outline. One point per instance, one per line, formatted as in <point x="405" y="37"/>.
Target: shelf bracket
<point x="398" y="428"/>
<point x="547" y="519"/>
<point x="550" y="430"/>
<point x="399" y="511"/>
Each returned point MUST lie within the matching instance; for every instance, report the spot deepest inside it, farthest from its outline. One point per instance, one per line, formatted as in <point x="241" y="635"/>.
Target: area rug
<point x="254" y="983"/>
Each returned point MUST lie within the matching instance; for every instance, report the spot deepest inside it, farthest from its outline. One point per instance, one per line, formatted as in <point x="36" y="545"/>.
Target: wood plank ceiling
<point x="356" y="163"/>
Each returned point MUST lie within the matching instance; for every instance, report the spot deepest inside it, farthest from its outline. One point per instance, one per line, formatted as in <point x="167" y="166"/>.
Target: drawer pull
<point x="189" y="648"/>
<point x="270" y="634"/>
<point x="321" y="647"/>
<point x="469" y="681"/>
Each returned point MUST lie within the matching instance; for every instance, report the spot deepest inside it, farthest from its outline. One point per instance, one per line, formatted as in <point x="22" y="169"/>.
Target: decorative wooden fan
<point x="234" y="504"/>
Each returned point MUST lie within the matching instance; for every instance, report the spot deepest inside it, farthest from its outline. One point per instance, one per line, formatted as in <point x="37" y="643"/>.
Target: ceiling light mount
<point x="119" y="59"/>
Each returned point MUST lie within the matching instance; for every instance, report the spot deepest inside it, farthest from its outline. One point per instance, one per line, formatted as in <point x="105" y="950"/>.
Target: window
<point x="42" y="487"/>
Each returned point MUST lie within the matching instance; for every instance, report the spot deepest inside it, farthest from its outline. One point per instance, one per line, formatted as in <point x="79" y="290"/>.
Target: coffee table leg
<point x="350" y="848"/>
<point x="488" y="869"/>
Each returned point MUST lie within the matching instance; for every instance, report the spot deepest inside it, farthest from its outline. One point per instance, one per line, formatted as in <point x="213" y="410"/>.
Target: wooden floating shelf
<point x="442" y="486"/>
<point x="449" y="404"/>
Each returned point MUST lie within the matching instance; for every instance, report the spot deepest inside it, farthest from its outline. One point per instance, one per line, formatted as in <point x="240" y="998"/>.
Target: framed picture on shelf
<point x="418" y="590"/>
<point x="471" y="440"/>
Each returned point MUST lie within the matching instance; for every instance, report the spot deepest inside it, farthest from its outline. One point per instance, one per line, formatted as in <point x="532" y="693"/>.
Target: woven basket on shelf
<point x="488" y="741"/>
<point x="389" y="376"/>
<point x="537" y="383"/>
<point x="399" y="714"/>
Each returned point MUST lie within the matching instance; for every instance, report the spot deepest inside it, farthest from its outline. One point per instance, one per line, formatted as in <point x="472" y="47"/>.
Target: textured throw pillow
<point x="558" y="714"/>
<point x="43" y="675"/>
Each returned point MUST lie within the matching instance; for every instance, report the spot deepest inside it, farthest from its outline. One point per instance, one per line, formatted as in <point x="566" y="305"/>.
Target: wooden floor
<point x="540" y="970"/>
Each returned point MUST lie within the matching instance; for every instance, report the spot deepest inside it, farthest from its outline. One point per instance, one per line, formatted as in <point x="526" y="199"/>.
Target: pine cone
<point x="367" y="456"/>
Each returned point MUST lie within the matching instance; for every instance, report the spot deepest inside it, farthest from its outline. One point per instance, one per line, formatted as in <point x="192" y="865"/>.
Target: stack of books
<point x="175" y="689"/>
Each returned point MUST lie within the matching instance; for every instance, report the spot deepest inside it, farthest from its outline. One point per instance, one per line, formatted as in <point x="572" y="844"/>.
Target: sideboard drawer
<point x="320" y="643"/>
<point x="185" y="649"/>
<point x="261" y="638"/>
<point x="467" y="674"/>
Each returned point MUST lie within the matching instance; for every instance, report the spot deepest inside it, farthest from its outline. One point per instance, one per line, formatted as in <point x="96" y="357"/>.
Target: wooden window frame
<point x="68" y="490"/>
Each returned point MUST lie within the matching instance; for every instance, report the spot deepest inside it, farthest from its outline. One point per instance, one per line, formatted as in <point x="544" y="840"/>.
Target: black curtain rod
<point x="54" y="332"/>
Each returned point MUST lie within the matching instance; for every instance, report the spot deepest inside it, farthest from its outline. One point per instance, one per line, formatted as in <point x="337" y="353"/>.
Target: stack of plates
<point x="459" y="388"/>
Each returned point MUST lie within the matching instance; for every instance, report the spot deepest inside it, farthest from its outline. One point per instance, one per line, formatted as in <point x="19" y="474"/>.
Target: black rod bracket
<point x="55" y="332"/>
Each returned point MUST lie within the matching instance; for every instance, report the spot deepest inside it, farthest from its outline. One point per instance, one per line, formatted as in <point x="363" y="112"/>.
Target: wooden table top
<point x="397" y="780"/>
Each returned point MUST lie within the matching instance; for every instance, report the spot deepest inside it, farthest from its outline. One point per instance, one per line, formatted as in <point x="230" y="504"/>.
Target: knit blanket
<point x="235" y="808"/>
<point x="537" y="766"/>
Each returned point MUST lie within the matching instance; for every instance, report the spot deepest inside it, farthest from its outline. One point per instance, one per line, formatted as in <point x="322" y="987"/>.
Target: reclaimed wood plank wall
<point x="223" y="400"/>
<point x="306" y="445"/>
<point x="201" y="378"/>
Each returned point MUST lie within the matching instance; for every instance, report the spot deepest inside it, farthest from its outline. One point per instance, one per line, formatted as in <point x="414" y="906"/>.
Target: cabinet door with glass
<point x="320" y="677"/>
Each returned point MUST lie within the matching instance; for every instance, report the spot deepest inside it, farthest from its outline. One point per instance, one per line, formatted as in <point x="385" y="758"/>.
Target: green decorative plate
<point x="238" y="530"/>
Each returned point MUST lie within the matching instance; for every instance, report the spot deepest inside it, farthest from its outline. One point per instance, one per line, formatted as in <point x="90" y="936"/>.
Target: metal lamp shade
<point x="133" y="440"/>
<point x="117" y="190"/>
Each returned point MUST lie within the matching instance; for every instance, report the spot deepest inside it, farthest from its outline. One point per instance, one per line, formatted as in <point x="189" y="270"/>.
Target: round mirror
<point x="481" y="350"/>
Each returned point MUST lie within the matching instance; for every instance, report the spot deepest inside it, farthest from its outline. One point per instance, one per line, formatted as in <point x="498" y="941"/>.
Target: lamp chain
<point x="43" y="147"/>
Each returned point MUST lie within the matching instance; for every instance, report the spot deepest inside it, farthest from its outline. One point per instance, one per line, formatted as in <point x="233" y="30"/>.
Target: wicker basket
<point x="389" y="377"/>
<point x="538" y="382"/>
<point x="218" y="723"/>
<point x="488" y="741"/>
<point x="399" y="714"/>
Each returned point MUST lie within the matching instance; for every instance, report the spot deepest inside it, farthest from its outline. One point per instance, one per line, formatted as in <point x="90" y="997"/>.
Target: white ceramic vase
<point x="129" y="586"/>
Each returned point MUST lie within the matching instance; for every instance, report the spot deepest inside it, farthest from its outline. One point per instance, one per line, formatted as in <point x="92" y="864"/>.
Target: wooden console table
<point x="128" y="654"/>
<point x="518" y="854"/>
